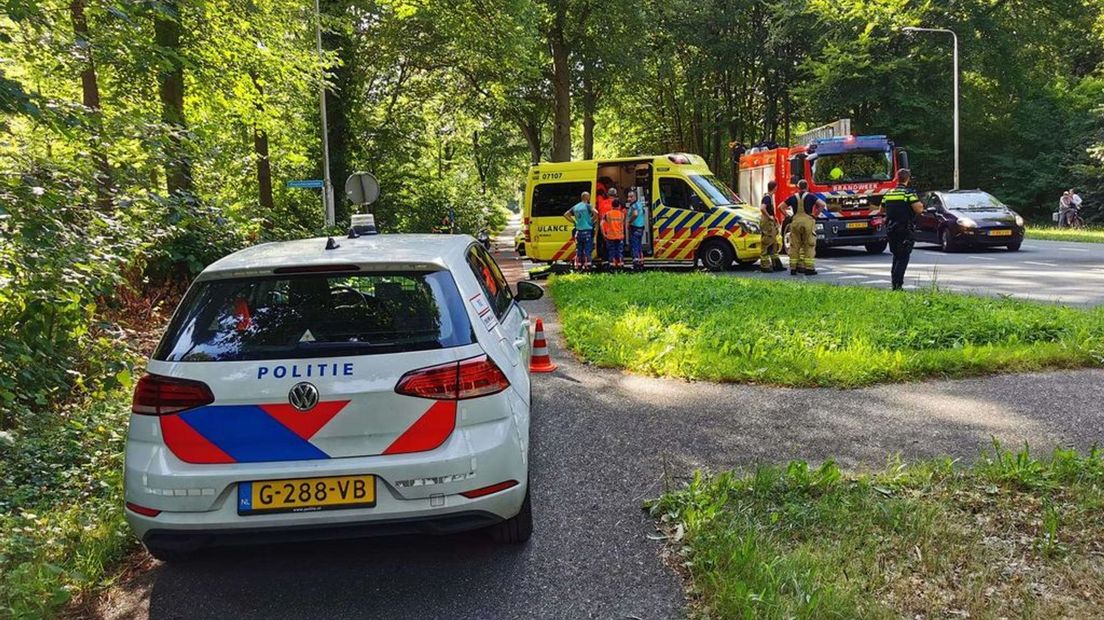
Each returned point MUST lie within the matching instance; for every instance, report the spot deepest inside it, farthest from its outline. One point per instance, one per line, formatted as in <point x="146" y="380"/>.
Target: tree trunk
<point x="590" y="103"/>
<point x="532" y="132"/>
<point x="561" y="87"/>
<point x="260" y="152"/>
<point x="479" y="166"/>
<point x="90" y="97"/>
<point x="170" y="81"/>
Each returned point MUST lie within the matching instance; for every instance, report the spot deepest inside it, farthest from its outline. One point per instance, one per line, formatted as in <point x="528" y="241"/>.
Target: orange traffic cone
<point x="540" y="362"/>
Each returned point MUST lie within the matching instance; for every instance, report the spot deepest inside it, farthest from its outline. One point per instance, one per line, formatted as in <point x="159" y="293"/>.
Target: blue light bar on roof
<point x="842" y="144"/>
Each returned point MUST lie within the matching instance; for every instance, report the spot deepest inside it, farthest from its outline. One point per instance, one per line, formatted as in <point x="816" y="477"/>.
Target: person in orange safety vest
<point x="613" y="230"/>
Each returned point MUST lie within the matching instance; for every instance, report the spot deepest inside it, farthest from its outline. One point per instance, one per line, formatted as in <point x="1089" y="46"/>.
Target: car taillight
<point x="159" y="395"/>
<point x="494" y="488"/>
<point x="142" y="510"/>
<point x="470" y="378"/>
<point x="525" y="229"/>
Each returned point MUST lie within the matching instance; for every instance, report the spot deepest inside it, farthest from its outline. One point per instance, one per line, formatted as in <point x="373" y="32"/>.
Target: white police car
<point x="323" y="388"/>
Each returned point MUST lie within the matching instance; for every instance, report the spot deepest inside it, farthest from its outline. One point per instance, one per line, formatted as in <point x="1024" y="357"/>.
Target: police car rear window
<point x="316" y="315"/>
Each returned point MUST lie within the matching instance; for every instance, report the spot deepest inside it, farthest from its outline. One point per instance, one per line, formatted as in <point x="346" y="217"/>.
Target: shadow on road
<point x="428" y="577"/>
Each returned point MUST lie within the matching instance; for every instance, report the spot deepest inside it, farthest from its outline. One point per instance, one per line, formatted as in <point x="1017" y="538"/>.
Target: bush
<point x="61" y="511"/>
<point x="58" y="257"/>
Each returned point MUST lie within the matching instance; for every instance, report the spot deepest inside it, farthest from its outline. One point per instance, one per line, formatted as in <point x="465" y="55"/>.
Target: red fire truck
<point x="850" y="173"/>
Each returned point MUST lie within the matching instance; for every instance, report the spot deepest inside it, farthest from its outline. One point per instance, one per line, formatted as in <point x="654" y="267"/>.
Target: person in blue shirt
<point x="583" y="216"/>
<point x="637" y="221"/>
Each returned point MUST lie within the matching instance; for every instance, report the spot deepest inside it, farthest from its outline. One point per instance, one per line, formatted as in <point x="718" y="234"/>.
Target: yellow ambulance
<point x="692" y="215"/>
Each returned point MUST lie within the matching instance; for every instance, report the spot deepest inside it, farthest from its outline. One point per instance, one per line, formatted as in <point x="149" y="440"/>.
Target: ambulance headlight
<point x="750" y="228"/>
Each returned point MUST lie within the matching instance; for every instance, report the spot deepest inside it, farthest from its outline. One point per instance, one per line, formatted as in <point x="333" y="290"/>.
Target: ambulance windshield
<point x="853" y="167"/>
<point x="718" y="192"/>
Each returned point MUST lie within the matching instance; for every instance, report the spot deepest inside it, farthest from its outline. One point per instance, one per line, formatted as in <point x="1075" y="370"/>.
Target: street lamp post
<point x="954" y="37"/>
<point x="327" y="184"/>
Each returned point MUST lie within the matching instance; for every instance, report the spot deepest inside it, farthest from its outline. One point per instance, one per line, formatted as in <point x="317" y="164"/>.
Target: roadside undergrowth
<point x="704" y="327"/>
<point x="1053" y="233"/>
<point x="1011" y="536"/>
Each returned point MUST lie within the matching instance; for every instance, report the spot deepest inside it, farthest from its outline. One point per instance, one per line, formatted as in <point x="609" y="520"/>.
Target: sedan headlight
<point x="1019" y="220"/>
<point x="966" y="222"/>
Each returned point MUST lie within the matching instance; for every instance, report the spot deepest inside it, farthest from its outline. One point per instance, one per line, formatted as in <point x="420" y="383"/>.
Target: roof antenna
<point x="331" y="244"/>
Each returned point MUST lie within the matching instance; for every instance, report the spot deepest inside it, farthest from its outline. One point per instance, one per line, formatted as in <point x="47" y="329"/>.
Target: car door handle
<point x="521" y="343"/>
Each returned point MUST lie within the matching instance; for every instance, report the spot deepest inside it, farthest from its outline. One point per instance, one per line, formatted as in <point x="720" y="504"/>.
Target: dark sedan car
<point x="968" y="217"/>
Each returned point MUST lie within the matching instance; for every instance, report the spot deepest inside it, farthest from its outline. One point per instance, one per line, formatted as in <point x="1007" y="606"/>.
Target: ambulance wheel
<point x="516" y="529"/>
<point x="716" y="255"/>
<point x="877" y="247"/>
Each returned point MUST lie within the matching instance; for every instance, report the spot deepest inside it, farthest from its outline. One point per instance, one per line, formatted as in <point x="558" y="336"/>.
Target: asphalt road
<point x="602" y="442"/>
<point x="1060" y="271"/>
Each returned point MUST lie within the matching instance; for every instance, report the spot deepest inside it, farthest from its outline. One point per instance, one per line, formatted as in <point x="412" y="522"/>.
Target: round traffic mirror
<point x="362" y="188"/>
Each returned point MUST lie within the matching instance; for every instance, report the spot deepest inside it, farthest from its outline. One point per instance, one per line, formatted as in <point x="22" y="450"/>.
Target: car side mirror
<point x="527" y="291"/>
<point x="902" y="158"/>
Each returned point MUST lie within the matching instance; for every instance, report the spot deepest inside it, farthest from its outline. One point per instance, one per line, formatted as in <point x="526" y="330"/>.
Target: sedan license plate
<point x="856" y="224"/>
<point x="306" y="494"/>
<point x="1000" y="233"/>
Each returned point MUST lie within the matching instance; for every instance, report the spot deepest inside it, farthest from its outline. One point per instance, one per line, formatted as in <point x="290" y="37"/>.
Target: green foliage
<point x="61" y="515"/>
<point x="1013" y="535"/>
<point x="58" y="259"/>
<point x="700" y="326"/>
<point x="1087" y="235"/>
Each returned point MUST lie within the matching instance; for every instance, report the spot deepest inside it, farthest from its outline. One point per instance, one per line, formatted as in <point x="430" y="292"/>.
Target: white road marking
<point x="982" y="257"/>
<point x="1041" y="264"/>
<point x="850" y="277"/>
<point x="1074" y="249"/>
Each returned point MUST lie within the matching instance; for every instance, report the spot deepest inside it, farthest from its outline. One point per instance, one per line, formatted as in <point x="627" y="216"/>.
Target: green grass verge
<point x="61" y="518"/>
<point x="1012" y="536"/>
<point x="699" y="326"/>
<point x="1053" y="233"/>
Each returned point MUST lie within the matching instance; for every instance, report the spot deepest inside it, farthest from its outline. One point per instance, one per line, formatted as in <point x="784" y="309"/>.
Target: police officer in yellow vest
<point x="768" y="255"/>
<point x="901" y="206"/>
<point x="805" y="208"/>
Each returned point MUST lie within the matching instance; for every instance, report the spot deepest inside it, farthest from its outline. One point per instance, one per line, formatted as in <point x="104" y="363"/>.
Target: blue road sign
<point x="306" y="184"/>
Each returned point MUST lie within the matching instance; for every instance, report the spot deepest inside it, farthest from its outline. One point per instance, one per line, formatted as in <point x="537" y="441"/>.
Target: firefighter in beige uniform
<point x="768" y="256"/>
<point x="805" y="207"/>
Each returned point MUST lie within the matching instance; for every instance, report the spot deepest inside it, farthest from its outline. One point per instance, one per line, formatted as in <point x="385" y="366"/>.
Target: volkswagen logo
<point x="303" y="396"/>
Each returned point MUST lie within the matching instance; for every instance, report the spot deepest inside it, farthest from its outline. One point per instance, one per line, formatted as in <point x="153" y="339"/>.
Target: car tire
<point x="521" y="249"/>
<point x="945" y="242"/>
<point x="716" y="255"/>
<point x="518" y="528"/>
<point x="1014" y="247"/>
<point x="785" y="239"/>
<point x="876" y="247"/>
